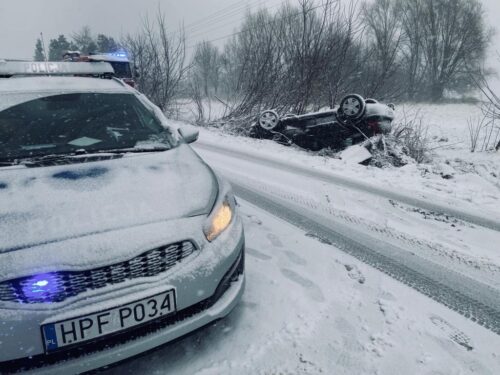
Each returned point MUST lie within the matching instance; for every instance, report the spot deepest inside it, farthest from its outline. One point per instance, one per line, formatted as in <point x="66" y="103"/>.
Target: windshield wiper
<point x="78" y="157"/>
<point x="58" y="159"/>
<point x="135" y="150"/>
<point x="29" y="160"/>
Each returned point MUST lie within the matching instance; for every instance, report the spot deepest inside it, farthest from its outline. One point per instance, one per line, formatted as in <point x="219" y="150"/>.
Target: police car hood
<point x="49" y="204"/>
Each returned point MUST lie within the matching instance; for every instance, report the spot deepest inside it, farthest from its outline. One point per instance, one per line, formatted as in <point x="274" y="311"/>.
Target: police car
<point x="116" y="237"/>
<point x="118" y="60"/>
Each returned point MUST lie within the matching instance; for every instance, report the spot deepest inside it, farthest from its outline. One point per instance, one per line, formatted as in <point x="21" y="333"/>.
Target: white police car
<point x="115" y="236"/>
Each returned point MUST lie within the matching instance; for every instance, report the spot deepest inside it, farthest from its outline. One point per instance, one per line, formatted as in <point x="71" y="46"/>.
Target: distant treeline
<point x="82" y="41"/>
<point x="309" y="53"/>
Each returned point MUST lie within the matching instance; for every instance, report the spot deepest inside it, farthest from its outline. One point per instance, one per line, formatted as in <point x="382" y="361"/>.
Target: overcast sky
<point x="21" y="21"/>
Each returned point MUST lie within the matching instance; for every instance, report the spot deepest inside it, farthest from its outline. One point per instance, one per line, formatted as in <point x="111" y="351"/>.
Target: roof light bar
<point x="18" y="68"/>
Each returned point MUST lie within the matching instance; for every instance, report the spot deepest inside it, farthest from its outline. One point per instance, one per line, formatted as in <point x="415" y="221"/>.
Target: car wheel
<point x="352" y="108"/>
<point x="269" y="120"/>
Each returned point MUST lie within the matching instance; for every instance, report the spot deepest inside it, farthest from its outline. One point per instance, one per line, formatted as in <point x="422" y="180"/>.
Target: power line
<point x="222" y="14"/>
<point x="252" y="28"/>
<point x="235" y="21"/>
<point x="199" y="27"/>
<point x="217" y="13"/>
<point x="217" y="17"/>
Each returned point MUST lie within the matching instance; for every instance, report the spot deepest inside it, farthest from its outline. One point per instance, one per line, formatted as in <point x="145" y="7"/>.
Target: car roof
<point x="54" y="84"/>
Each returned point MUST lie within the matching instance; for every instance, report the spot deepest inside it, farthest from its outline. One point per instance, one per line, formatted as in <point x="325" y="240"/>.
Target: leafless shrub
<point x="484" y="133"/>
<point x="475" y="126"/>
<point x="196" y="96"/>
<point x="413" y="134"/>
<point x="234" y="125"/>
<point x="408" y="142"/>
<point x="491" y="110"/>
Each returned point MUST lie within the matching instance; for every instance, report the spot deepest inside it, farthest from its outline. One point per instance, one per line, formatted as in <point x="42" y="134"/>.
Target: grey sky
<point x="21" y="21"/>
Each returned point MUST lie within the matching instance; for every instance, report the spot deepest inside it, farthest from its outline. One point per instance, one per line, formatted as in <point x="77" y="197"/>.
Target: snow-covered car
<point x="115" y="236"/>
<point x="355" y="120"/>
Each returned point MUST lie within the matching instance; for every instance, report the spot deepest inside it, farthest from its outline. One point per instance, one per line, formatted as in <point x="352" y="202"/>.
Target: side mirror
<point x="189" y="133"/>
<point x="136" y="72"/>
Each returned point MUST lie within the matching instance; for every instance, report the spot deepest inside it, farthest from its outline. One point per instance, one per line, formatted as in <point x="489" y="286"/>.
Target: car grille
<point x="58" y="286"/>
<point x="134" y="333"/>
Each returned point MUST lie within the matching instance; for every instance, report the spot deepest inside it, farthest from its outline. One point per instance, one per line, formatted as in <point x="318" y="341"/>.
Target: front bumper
<point x="108" y="350"/>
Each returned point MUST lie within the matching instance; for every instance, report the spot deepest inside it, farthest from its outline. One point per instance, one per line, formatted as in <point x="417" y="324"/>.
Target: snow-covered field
<point x="311" y="309"/>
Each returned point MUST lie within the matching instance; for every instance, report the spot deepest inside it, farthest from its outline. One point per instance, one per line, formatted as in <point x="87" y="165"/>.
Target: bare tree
<point x="253" y="63"/>
<point x="294" y="60"/>
<point x="159" y="58"/>
<point x="306" y="49"/>
<point x="411" y="49"/>
<point x="84" y="41"/>
<point x="205" y="67"/>
<point x="454" y="36"/>
<point x="344" y="64"/>
<point x="384" y="31"/>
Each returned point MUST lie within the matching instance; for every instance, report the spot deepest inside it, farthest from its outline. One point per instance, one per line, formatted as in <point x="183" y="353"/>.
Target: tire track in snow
<point x="486" y="271"/>
<point x="472" y="299"/>
<point x="470" y="217"/>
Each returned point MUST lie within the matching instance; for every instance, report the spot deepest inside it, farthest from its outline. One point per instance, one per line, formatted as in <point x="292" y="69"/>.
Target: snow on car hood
<point x="50" y="204"/>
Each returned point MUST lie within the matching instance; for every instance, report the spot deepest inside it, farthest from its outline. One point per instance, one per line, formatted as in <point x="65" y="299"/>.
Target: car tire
<point x="352" y="108"/>
<point x="269" y="121"/>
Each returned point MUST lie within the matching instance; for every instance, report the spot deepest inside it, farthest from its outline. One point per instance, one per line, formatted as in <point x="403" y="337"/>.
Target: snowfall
<point x="310" y="308"/>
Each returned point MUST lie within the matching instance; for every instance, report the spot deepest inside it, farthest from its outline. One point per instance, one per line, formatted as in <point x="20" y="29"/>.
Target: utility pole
<point x="44" y="49"/>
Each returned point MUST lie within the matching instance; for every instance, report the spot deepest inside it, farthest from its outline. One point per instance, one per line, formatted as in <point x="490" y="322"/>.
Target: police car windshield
<point x="63" y="124"/>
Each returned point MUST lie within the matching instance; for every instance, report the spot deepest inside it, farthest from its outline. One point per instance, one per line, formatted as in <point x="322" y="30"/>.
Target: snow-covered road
<point x="411" y="256"/>
<point x="309" y="308"/>
<point x="459" y="292"/>
<point x="473" y="216"/>
<point x="316" y="301"/>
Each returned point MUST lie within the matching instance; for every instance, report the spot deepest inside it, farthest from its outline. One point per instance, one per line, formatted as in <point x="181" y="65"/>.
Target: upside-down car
<point x="355" y="120"/>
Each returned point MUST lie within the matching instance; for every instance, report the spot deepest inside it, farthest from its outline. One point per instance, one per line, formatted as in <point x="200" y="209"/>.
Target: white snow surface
<point x="68" y="201"/>
<point x="311" y="309"/>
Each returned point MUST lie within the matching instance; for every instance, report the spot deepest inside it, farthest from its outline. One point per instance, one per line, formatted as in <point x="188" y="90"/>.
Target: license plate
<point x="95" y="325"/>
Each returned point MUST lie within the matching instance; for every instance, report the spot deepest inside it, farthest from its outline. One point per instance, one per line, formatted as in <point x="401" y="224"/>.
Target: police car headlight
<point x="220" y="218"/>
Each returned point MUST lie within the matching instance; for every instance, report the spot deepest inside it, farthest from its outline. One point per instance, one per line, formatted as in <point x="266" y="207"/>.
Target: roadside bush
<point x="235" y="125"/>
<point x="484" y="132"/>
<point x="408" y="143"/>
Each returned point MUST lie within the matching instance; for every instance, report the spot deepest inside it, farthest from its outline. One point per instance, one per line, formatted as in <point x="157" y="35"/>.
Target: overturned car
<point x="354" y="121"/>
